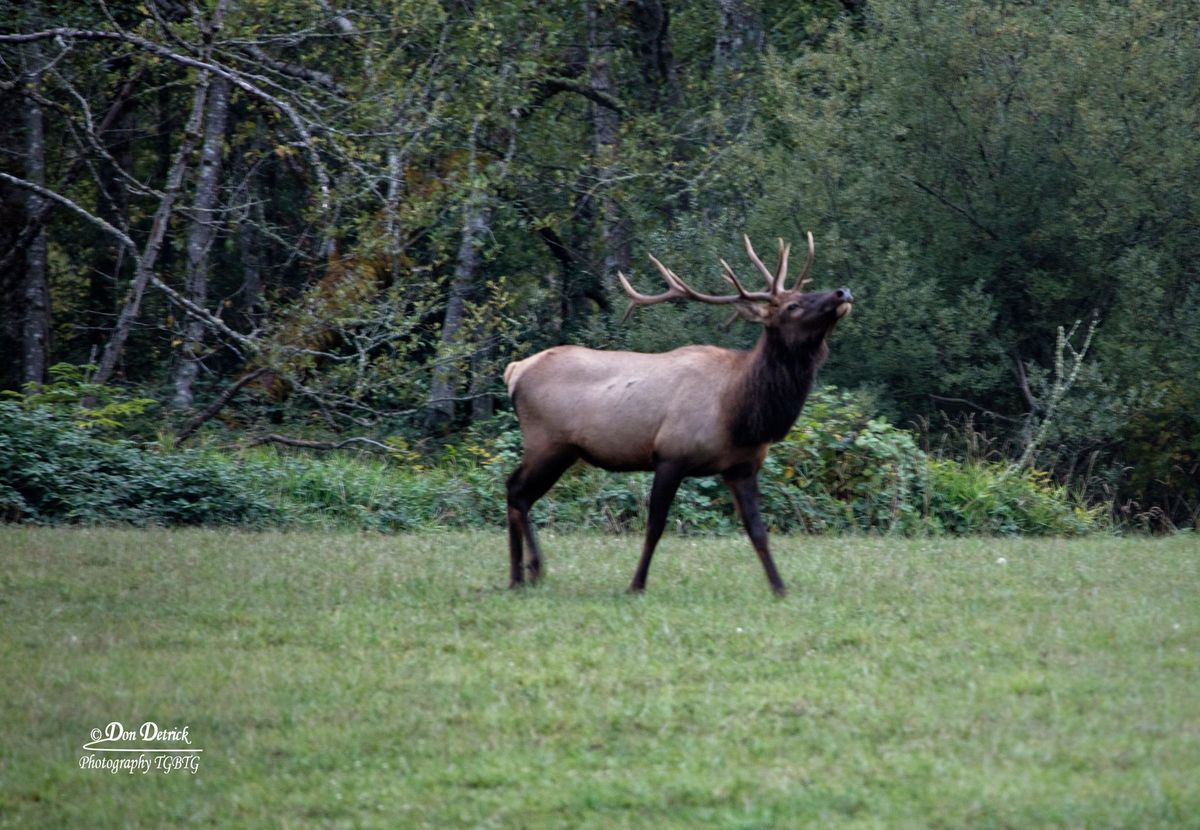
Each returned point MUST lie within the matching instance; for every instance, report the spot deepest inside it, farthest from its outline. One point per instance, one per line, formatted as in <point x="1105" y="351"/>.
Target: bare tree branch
<point x="147" y="259"/>
<point x="983" y="409"/>
<point x="1023" y="382"/>
<point x="219" y="403"/>
<point x="237" y="79"/>
<point x="303" y="73"/>
<point x="961" y="211"/>
<point x="177" y="298"/>
<point x="551" y="86"/>
<point x="74" y="207"/>
<point x="314" y="445"/>
<point x="34" y="223"/>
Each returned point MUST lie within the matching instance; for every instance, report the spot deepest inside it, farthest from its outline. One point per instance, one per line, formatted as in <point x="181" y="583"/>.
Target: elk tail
<point x="511" y="373"/>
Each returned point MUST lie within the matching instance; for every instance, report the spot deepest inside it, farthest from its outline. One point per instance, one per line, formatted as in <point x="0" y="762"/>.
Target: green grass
<point x="350" y="680"/>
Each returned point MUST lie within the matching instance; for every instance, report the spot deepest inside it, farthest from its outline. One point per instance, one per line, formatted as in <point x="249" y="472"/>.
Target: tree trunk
<point x="447" y="375"/>
<point x="738" y="44"/>
<point x="393" y="229"/>
<point x="482" y="403"/>
<point x="739" y="41"/>
<point x="112" y="207"/>
<point x="202" y="230"/>
<point x="605" y="126"/>
<point x="478" y="213"/>
<point x="252" y="258"/>
<point x="652" y="21"/>
<point x="35" y="329"/>
<point x="251" y="243"/>
<point x="154" y="245"/>
<point x="162" y="215"/>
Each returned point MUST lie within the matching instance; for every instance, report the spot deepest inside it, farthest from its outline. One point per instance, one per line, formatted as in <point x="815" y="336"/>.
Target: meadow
<point x="367" y="680"/>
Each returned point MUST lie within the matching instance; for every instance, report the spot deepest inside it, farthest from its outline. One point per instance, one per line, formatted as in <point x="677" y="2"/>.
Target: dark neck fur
<point x="777" y="382"/>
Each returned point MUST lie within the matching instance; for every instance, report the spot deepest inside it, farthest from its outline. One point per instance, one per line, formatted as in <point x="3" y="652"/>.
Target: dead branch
<point x="235" y="78"/>
<point x="982" y="409"/>
<point x="305" y="443"/>
<point x="219" y="403"/>
<point x="183" y="302"/>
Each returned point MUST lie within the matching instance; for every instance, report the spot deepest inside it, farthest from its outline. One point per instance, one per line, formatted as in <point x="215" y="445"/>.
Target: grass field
<point x="347" y="681"/>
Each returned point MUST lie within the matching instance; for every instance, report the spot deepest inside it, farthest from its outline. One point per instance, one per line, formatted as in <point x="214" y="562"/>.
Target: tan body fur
<point x="626" y="410"/>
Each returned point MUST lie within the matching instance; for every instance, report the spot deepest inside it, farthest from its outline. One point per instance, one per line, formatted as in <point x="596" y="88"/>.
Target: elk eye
<point x="793" y="306"/>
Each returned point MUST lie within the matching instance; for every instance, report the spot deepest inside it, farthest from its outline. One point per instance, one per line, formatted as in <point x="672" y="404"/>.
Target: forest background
<point x="332" y="223"/>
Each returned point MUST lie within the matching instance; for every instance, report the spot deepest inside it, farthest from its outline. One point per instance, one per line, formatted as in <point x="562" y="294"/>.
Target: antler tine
<point x="732" y="279"/>
<point x="678" y="289"/>
<point x="676" y="282"/>
<point x="636" y="298"/>
<point x="671" y="278"/>
<point x="758" y="263"/>
<point x="803" y="279"/>
<point x="781" y="270"/>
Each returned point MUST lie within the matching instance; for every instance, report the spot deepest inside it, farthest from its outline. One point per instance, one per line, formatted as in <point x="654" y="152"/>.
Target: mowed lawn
<point x="350" y="681"/>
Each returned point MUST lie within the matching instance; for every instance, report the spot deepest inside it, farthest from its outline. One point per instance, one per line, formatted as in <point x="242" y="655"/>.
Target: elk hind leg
<point x="537" y="474"/>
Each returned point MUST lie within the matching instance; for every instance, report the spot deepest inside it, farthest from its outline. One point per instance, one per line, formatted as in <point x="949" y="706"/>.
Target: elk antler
<point x="677" y="289"/>
<point x="758" y="263"/>
<point x="803" y="279"/>
<point x="777" y="282"/>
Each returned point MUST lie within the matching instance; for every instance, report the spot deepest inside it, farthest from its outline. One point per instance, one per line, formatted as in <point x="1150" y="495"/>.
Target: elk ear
<point x="754" y="312"/>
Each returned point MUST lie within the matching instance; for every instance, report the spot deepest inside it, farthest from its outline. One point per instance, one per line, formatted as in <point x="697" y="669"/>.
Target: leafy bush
<point x="841" y="469"/>
<point x="838" y="470"/>
<point x="55" y="472"/>
<point x="981" y="497"/>
<point x="70" y="393"/>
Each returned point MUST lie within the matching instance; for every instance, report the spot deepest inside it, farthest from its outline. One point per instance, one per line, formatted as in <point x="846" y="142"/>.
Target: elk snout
<point x="844" y="300"/>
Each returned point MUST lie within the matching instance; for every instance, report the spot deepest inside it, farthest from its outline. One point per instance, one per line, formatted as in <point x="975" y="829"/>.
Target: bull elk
<point x="694" y="411"/>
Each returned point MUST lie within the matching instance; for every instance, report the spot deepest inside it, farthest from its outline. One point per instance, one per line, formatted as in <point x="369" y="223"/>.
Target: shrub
<point x="55" y="472"/>
<point x="92" y="406"/>
<point x="841" y="469"/>
<point x="838" y="470"/>
<point x="984" y="497"/>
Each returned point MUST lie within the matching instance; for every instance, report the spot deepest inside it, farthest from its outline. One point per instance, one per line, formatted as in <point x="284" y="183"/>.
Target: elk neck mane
<point x="777" y="380"/>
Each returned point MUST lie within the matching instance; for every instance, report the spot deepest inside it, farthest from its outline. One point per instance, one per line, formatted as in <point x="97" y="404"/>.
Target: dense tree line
<point x="347" y="215"/>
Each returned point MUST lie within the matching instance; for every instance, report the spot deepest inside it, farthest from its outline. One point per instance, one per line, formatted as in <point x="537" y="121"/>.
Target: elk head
<point x="797" y="317"/>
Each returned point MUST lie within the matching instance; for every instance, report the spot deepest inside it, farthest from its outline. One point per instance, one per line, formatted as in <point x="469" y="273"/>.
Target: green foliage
<point x="983" y="173"/>
<point x="983" y="497"/>
<point x="979" y="173"/>
<point x="70" y="393"/>
<point x="840" y="469"/>
<point x="53" y="472"/>
<point x="1161" y="442"/>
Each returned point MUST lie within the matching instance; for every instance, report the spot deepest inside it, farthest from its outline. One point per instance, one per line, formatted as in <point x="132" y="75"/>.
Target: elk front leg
<point x="666" y="481"/>
<point x="745" y="495"/>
